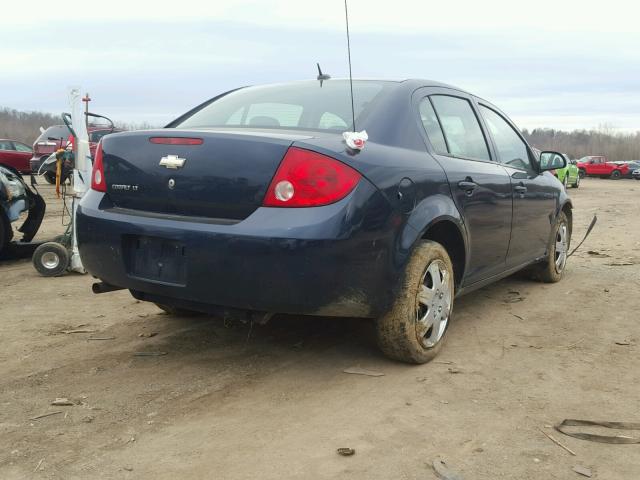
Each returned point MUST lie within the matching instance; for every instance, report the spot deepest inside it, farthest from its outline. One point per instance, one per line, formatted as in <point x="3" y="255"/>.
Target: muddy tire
<point x="176" y="311"/>
<point x="6" y="232"/>
<point x="51" y="259"/>
<point x="552" y="268"/>
<point x="415" y="328"/>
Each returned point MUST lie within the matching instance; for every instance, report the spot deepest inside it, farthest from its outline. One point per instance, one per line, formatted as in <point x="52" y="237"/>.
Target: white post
<point x="82" y="169"/>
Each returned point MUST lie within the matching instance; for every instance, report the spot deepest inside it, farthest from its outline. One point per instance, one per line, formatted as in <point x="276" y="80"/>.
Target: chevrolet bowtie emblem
<point x="172" y="161"/>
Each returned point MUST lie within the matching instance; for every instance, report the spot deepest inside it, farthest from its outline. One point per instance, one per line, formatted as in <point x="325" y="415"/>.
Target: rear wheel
<point x="179" y="312"/>
<point x="576" y="184"/>
<point x="582" y="173"/>
<point x="413" y="331"/>
<point x="51" y="259"/>
<point x="552" y="268"/>
<point x="615" y="175"/>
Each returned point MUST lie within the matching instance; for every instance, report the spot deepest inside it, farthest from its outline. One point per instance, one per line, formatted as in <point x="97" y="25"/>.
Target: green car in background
<point x="569" y="175"/>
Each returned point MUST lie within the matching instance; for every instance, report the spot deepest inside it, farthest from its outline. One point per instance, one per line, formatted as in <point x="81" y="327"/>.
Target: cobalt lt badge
<point x="172" y="161"/>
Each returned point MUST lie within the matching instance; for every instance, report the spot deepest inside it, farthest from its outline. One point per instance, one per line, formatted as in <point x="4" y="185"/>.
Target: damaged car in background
<point x="16" y="198"/>
<point x="268" y="199"/>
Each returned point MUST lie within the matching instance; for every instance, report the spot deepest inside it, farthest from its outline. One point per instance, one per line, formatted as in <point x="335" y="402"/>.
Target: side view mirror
<point x="552" y="161"/>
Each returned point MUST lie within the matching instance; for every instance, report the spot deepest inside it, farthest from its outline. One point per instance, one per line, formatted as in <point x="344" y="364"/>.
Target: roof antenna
<point x="322" y="76"/>
<point x="353" y="110"/>
<point x="355" y="140"/>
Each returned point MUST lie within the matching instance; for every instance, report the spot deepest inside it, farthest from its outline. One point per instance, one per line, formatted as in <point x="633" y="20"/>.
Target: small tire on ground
<point x="546" y="270"/>
<point x="396" y="330"/>
<point x="50" y="177"/>
<point x="51" y="259"/>
<point x="176" y="311"/>
<point x="615" y="175"/>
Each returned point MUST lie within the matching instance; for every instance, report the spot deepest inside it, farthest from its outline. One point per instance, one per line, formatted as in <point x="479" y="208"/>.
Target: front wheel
<point x="582" y="173"/>
<point x="552" y="268"/>
<point x="413" y="331"/>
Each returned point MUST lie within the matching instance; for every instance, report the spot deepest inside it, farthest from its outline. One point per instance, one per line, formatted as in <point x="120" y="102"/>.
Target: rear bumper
<point x="334" y="260"/>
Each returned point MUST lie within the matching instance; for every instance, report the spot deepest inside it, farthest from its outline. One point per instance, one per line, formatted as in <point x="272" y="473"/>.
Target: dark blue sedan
<point x="253" y="203"/>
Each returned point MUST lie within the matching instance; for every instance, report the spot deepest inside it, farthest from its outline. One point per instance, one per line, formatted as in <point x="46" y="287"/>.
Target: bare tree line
<point x="579" y="143"/>
<point x="25" y="126"/>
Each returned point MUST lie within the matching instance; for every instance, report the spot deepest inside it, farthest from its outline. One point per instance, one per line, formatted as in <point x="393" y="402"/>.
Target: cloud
<point x="153" y="62"/>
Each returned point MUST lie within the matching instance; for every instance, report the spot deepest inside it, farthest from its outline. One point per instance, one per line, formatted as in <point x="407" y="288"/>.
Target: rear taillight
<point x="98" y="182"/>
<point x="176" y="140"/>
<point x="309" y="179"/>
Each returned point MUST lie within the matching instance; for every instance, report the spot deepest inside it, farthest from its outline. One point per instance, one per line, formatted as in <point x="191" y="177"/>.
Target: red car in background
<point x="600" y="166"/>
<point x="56" y="137"/>
<point x="15" y="155"/>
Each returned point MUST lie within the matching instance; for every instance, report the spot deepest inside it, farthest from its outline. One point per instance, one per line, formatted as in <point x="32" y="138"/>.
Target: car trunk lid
<point x="225" y="175"/>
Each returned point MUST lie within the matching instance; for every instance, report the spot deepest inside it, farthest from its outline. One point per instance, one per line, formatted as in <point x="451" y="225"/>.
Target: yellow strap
<point x="58" y="174"/>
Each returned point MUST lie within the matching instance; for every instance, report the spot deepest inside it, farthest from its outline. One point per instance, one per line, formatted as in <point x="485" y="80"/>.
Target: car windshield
<point x="303" y="105"/>
<point x="57" y="132"/>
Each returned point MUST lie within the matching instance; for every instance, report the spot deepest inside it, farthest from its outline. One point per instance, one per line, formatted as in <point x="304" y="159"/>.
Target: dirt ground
<point x="273" y="402"/>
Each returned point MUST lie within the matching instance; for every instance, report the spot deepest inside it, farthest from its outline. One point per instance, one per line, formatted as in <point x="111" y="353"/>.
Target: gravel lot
<point x="273" y="402"/>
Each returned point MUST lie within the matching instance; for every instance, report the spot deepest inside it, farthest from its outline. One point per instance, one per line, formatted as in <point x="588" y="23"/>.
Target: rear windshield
<point x="304" y="105"/>
<point x="57" y="132"/>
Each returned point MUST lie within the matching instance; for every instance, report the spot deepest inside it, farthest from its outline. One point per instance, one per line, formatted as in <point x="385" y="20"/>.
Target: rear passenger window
<point x="461" y="128"/>
<point x="511" y="148"/>
<point x="432" y="127"/>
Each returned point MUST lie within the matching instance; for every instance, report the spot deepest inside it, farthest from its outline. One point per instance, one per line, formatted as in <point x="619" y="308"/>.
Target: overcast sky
<point x="563" y="63"/>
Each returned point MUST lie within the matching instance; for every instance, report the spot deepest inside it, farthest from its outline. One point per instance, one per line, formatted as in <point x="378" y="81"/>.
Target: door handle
<point x="468" y="186"/>
<point x="521" y="189"/>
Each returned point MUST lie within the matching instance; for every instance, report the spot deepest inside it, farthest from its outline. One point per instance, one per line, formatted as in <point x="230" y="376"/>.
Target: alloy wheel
<point x="433" y="304"/>
<point x="562" y="245"/>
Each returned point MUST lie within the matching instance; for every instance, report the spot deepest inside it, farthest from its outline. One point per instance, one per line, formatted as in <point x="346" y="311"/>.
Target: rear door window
<point x="512" y="150"/>
<point x="432" y="127"/>
<point x="461" y="128"/>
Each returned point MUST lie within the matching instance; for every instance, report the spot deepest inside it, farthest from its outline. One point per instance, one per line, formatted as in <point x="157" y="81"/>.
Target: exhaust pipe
<point x="102" y="287"/>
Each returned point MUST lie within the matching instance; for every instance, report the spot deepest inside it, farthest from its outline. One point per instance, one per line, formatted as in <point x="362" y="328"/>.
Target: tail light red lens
<point x="176" y="140"/>
<point x="309" y="179"/>
<point x="98" y="182"/>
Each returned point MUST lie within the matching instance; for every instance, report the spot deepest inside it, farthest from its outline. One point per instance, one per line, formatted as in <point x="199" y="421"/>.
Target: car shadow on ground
<point x="295" y="336"/>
